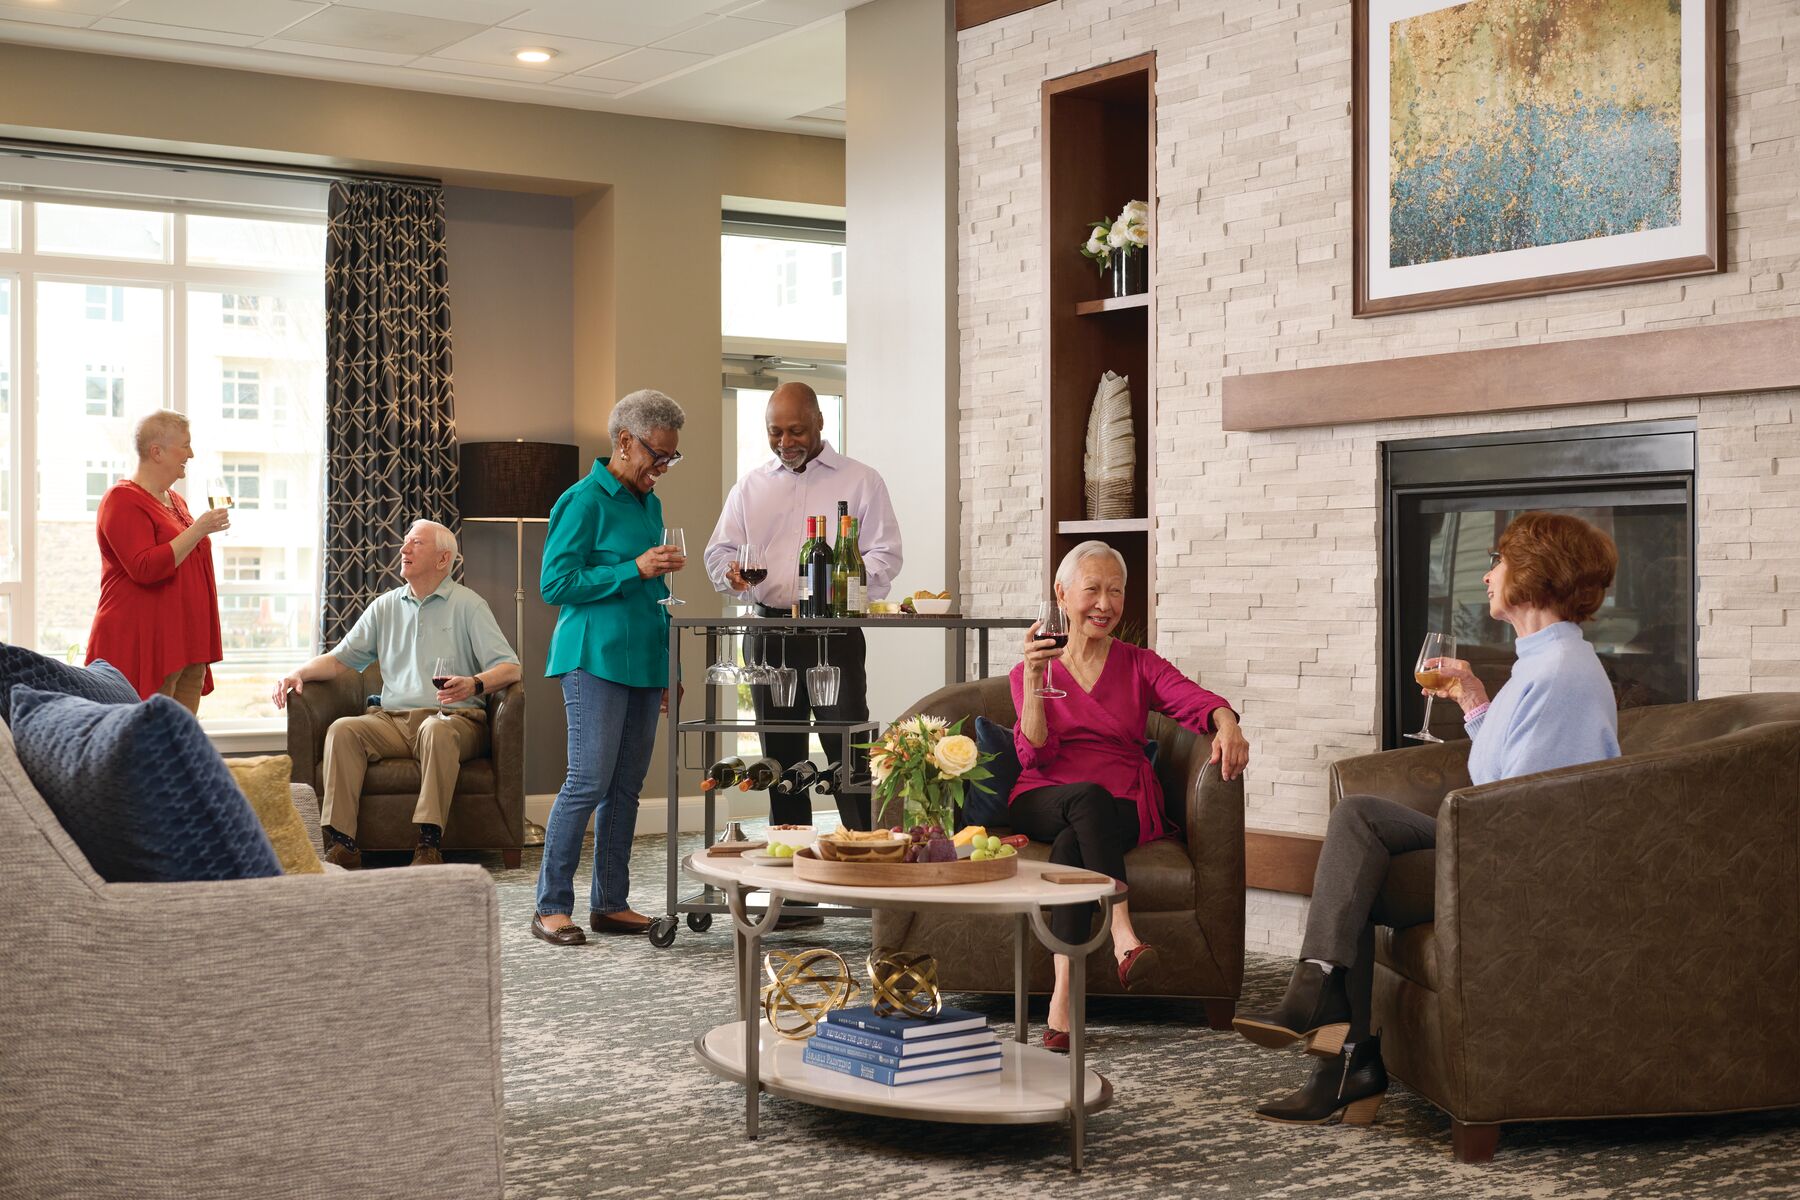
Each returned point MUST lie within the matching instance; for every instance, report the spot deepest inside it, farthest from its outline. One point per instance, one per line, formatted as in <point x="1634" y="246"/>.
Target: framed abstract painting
<point x="1519" y="147"/>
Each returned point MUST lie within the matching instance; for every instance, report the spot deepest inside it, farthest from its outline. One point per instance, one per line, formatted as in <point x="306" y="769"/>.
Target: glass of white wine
<point x="218" y="495"/>
<point x="1436" y="646"/>
<point x="677" y="540"/>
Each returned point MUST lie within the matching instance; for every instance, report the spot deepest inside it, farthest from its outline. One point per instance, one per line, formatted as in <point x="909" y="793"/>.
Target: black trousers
<point x="848" y="652"/>
<point x="1086" y="826"/>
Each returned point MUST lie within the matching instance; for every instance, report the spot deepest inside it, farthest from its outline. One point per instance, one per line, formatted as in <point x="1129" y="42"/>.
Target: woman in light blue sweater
<point x="1550" y="573"/>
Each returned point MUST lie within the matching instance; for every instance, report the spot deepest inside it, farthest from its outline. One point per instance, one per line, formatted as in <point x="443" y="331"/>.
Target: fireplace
<point x="1446" y="501"/>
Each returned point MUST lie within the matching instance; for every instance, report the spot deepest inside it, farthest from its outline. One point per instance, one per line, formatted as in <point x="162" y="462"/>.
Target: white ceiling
<point x="761" y="64"/>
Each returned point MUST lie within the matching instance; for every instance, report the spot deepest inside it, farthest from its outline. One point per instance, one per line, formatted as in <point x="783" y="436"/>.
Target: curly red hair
<point x="1557" y="562"/>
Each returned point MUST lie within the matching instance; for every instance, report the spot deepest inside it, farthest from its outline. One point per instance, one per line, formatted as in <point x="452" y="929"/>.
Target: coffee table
<point x="1032" y="1087"/>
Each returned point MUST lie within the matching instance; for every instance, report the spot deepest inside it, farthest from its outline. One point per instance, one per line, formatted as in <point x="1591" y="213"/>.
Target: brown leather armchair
<point x="488" y="811"/>
<point x="1611" y="940"/>
<point x="1186" y="897"/>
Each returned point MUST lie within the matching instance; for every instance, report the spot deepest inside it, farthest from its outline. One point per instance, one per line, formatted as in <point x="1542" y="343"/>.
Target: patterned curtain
<point x="390" y="413"/>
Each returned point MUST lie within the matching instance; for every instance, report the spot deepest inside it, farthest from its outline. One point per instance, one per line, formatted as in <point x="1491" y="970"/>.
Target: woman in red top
<point x="158" y="620"/>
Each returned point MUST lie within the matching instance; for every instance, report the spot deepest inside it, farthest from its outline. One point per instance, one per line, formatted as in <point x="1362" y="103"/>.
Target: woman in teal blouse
<point x="604" y="563"/>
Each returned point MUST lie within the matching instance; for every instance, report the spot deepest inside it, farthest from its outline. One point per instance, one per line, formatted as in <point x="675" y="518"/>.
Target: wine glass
<point x="752" y="567"/>
<point x="1051" y="624"/>
<point x="440" y="678"/>
<point x="1436" y="646"/>
<point x="218" y="495"/>
<point x="675" y="540"/>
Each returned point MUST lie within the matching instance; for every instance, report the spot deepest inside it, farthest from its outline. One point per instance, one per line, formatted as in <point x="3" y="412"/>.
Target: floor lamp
<point x="518" y="482"/>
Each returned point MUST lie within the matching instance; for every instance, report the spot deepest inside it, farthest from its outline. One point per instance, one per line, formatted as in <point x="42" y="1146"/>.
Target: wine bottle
<point x="829" y="781"/>
<point x="856" y="574"/>
<point x="840" y="568"/>
<point x="796" y="779"/>
<point x="759" y="774"/>
<point x="802" y="597"/>
<point x="723" y="774"/>
<point x="819" y="565"/>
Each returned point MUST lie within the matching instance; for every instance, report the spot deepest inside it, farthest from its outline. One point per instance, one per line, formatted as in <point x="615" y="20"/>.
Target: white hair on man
<point x="1071" y="563"/>
<point x="642" y="413"/>
<point x="441" y="537"/>
<point x="163" y="427"/>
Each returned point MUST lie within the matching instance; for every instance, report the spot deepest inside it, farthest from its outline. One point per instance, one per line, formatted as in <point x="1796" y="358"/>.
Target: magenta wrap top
<point x="1098" y="736"/>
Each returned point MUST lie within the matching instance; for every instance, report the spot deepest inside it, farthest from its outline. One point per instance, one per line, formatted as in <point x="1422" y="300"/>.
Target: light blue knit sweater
<point x="1556" y="710"/>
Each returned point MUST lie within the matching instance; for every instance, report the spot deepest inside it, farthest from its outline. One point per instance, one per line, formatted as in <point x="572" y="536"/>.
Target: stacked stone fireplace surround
<point x="1267" y="544"/>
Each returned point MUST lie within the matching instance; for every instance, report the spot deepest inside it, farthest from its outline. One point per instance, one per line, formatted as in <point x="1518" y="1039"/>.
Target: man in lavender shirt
<point x="768" y="507"/>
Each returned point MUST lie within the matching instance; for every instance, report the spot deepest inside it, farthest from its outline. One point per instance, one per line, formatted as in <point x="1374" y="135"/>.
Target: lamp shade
<point x="510" y="481"/>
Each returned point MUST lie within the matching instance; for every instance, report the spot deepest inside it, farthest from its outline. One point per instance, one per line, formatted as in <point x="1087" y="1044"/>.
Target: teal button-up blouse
<point x="611" y="625"/>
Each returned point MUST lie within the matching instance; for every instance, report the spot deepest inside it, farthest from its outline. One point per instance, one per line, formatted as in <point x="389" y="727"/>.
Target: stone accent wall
<point x="1267" y="543"/>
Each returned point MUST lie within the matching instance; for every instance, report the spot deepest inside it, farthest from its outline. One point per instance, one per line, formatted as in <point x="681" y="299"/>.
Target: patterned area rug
<point x="605" y="1098"/>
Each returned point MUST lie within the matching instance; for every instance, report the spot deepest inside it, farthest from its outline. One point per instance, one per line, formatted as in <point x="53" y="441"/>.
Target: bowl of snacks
<point x="793" y="837"/>
<point x="927" y="604"/>
<point x="860" y="845"/>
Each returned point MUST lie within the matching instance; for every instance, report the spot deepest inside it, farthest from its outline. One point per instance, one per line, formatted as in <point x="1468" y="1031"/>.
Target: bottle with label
<point x="840" y="569"/>
<point x="829" y="781"/>
<point x="802" y="607"/>
<point x="856" y="573"/>
<point x="723" y="774"/>
<point x="759" y="774"/>
<point x="796" y="779"/>
<point x="820" y="562"/>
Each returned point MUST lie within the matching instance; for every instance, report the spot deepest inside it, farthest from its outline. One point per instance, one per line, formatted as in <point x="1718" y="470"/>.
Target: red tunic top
<point x="154" y="617"/>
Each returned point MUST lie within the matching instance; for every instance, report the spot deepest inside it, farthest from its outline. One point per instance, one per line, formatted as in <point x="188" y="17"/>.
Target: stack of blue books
<point x="899" y="1050"/>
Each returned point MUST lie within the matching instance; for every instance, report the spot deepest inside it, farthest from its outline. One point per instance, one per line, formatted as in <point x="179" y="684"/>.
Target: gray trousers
<point x="1364" y="836"/>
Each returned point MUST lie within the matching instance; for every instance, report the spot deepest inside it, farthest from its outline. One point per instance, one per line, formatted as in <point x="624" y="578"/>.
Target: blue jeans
<point x="612" y="731"/>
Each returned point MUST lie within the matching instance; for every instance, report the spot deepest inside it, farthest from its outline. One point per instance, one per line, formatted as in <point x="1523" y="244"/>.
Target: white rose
<point x="1136" y="213"/>
<point x="955" y="754"/>
<point x="1095" y="245"/>
<point x="1136" y="234"/>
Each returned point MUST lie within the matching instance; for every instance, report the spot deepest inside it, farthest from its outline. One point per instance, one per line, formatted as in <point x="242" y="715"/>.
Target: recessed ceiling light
<point x="534" y="55"/>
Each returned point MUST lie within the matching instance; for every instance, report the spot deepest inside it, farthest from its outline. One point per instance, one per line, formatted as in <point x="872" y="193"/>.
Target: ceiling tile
<point x="73" y="18"/>
<point x="794" y="12"/>
<point x="722" y="35"/>
<point x="517" y="73"/>
<point x="264" y="18"/>
<point x="613" y="20"/>
<point x="593" y="83"/>
<point x="641" y="66"/>
<point x="365" y="29"/>
<point x="211" y="37"/>
<point x="386" y="58"/>
<point x="496" y="46"/>
<point x="482" y="12"/>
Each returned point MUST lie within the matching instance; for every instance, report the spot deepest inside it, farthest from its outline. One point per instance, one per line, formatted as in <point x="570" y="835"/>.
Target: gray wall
<point x="512" y="301"/>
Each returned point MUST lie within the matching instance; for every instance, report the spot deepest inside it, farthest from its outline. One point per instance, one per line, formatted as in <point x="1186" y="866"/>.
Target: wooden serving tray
<point x="813" y="869"/>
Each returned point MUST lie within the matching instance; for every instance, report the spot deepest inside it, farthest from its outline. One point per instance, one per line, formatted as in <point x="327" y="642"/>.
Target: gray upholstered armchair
<point x="488" y="812"/>
<point x="1187" y="897"/>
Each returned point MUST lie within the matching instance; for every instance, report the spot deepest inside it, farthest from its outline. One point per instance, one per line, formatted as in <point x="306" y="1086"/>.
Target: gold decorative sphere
<point x="803" y="987"/>
<point x="904" y="984"/>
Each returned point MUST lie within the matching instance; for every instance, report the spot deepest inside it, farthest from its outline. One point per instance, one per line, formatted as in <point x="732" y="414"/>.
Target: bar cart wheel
<point x="699" y="922"/>
<point x="662" y="932"/>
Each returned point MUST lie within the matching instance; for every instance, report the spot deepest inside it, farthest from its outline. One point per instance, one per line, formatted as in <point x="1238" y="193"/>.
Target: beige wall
<point x="1267" y="544"/>
<point x="645" y="196"/>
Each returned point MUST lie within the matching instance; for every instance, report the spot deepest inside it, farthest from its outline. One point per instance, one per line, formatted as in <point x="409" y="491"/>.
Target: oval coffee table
<point x="1032" y="1086"/>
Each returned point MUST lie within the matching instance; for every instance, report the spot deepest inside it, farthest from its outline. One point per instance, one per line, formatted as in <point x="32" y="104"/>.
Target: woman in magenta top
<point x="1087" y="787"/>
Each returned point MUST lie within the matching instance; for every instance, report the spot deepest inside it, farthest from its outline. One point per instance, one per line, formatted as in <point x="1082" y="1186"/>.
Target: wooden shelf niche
<point x="1099" y="130"/>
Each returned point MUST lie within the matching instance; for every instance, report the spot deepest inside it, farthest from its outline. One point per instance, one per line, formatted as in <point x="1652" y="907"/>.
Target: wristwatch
<point x="480" y="687"/>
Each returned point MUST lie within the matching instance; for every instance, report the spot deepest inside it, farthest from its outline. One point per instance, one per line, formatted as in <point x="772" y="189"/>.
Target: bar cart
<point x="700" y="907"/>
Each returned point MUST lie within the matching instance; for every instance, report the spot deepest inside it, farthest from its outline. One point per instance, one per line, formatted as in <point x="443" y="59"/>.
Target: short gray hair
<point x="643" y="412"/>
<point x="1065" y="570"/>
<point x="441" y="537"/>
<point x="155" y="430"/>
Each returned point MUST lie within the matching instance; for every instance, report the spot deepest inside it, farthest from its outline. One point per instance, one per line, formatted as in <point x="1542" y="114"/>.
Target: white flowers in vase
<point x="1127" y="233"/>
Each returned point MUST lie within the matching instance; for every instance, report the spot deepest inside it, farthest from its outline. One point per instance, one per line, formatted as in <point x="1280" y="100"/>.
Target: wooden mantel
<point x="1706" y="360"/>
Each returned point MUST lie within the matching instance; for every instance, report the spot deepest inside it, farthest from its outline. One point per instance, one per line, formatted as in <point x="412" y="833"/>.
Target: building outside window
<point x="105" y="389"/>
<point x="100" y="476"/>
<point x="105" y="304"/>
<point x="243" y="482"/>
<point x="242" y="566"/>
<point x="240" y="392"/>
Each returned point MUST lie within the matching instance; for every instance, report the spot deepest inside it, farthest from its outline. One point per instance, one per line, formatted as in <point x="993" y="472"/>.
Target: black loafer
<point x="568" y="935"/>
<point x="624" y="921"/>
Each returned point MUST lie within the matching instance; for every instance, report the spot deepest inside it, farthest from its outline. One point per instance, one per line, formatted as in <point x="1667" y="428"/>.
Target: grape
<point x="1005" y="851"/>
<point x="993" y="843"/>
<point x="980" y="856"/>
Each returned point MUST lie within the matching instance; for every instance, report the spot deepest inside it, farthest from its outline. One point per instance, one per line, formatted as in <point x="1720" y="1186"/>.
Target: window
<point x="837" y="272"/>
<point x="243" y="482"/>
<point x="100" y="476"/>
<point x="110" y="310"/>
<point x="241" y="392"/>
<point x="782" y="289"/>
<point x="105" y="303"/>
<point x="105" y="391"/>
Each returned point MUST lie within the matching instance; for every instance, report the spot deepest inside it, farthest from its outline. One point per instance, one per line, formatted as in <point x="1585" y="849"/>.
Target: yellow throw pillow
<point x="264" y="782"/>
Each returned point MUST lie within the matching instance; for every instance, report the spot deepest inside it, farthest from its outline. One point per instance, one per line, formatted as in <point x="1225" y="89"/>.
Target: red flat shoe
<point x="1056" y="1040"/>
<point x="1132" y="966"/>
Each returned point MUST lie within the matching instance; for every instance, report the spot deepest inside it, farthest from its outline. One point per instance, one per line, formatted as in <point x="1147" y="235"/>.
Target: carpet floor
<point x="605" y="1098"/>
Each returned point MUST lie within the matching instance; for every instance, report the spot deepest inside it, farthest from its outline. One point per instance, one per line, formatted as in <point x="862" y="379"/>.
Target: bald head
<point x="796" y="425"/>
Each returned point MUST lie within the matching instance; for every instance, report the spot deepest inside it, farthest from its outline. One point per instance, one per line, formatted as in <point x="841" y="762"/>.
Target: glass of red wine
<point x="751" y="565"/>
<point x="1052" y="626"/>
<point x="440" y="679"/>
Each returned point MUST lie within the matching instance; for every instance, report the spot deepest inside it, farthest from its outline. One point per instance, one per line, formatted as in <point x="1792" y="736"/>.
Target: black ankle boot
<point x="1315" y="1007"/>
<point x="1353" y="1082"/>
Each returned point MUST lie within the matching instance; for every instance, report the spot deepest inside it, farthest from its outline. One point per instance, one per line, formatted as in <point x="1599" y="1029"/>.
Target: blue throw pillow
<point x="100" y="682"/>
<point x="985" y="802"/>
<point x="140" y="789"/>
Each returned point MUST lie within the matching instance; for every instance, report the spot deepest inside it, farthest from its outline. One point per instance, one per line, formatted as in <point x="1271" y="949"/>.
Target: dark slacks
<point x="1086" y="826"/>
<point x="1364" y="836"/>
<point x="848" y="652"/>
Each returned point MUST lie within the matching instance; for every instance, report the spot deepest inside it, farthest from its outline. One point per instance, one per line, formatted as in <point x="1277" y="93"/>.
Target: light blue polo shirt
<point x="405" y="635"/>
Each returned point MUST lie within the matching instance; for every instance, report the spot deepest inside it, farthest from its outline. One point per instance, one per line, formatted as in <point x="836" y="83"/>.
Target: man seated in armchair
<point x="429" y="631"/>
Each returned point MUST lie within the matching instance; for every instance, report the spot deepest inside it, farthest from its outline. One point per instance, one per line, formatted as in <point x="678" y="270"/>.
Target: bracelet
<point x="1477" y="711"/>
<point x="480" y="687"/>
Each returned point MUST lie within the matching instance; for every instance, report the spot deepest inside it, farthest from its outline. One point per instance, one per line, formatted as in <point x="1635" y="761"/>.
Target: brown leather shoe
<point x="619" y="922"/>
<point x="427" y="856"/>
<point x="340" y="855"/>
<point x="568" y="935"/>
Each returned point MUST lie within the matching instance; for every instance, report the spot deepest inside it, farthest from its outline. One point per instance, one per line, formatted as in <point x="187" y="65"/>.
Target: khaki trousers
<point x="184" y="685"/>
<point x="441" y="748"/>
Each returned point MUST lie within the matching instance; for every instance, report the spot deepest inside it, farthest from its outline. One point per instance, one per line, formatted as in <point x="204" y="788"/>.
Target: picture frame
<point x="1601" y="161"/>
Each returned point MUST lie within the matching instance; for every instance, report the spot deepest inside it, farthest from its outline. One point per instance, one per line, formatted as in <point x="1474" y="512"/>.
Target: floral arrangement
<point x="1127" y="233"/>
<point x="926" y="762"/>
